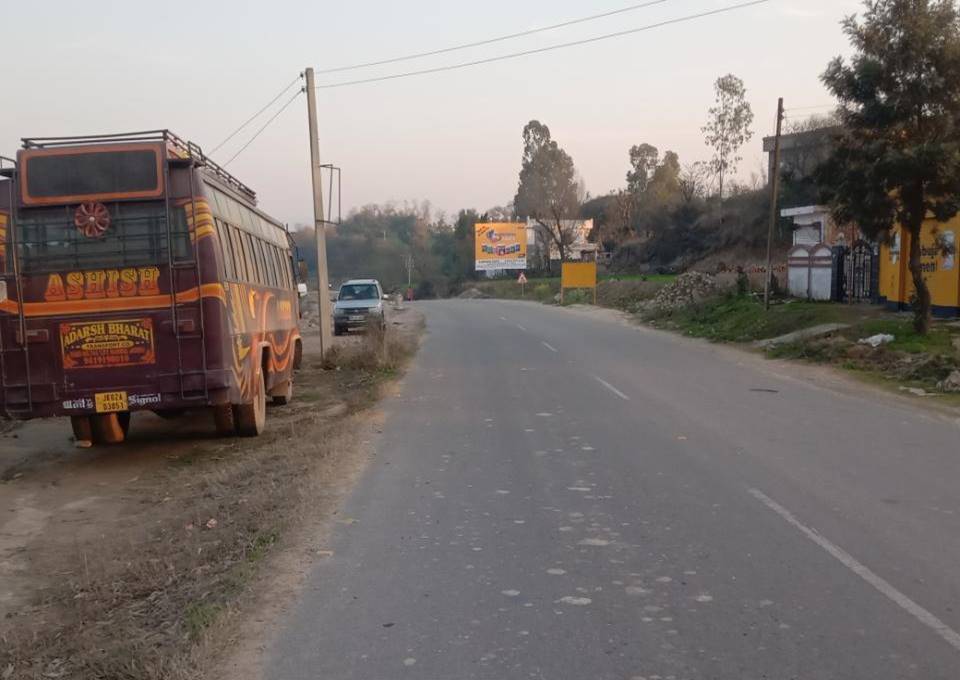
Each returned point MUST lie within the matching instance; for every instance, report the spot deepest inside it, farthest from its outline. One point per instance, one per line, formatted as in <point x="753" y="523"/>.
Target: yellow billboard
<point x="500" y="246"/>
<point x="579" y="275"/>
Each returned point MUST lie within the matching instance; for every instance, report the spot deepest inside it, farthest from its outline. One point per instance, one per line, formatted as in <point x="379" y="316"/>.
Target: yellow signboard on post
<point x="579" y="275"/>
<point x="500" y="246"/>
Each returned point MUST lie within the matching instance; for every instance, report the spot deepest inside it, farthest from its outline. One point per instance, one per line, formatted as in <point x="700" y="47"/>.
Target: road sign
<point x="522" y="279"/>
<point x="579" y="275"/>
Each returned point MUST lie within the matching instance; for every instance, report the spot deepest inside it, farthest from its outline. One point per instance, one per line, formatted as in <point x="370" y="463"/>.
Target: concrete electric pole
<point x="775" y="195"/>
<point x="319" y="224"/>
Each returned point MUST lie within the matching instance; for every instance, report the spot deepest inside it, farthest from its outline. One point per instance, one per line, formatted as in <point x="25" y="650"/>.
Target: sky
<point x="201" y="69"/>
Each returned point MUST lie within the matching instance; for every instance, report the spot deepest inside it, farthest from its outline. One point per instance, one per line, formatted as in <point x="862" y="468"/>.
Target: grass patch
<point x="911" y="360"/>
<point x="733" y="318"/>
<point x="200" y="616"/>
<point x="618" y="292"/>
<point x="907" y="339"/>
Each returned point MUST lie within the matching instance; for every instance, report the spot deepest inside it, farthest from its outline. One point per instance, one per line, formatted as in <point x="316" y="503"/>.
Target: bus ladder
<point x="196" y="335"/>
<point x="21" y="344"/>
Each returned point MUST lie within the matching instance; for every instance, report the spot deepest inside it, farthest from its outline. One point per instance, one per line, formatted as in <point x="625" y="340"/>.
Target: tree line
<point x="647" y="224"/>
<point x="895" y="162"/>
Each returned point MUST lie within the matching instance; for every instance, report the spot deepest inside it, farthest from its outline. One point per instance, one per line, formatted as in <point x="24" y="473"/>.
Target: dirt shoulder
<point x="137" y="561"/>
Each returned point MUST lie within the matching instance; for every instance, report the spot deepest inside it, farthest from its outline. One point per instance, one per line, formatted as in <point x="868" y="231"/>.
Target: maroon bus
<point x="136" y="273"/>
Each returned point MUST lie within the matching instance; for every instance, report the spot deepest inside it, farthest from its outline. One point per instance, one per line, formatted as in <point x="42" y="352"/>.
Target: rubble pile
<point x="690" y="288"/>
<point x="951" y="383"/>
<point x="473" y="294"/>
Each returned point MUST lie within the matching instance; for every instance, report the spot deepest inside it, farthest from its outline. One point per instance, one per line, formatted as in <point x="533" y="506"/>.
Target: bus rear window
<point x="100" y="173"/>
<point x="48" y="239"/>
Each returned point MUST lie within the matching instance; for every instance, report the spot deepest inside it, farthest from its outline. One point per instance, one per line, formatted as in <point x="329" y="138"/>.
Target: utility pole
<point x="319" y="224"/>
<point x="774" y="197"/>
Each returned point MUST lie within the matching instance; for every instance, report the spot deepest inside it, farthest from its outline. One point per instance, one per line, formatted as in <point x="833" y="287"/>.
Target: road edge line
<point x="924" y="616"/>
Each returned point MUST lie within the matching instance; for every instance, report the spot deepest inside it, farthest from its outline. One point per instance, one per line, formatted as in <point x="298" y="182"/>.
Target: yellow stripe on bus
<point x="35" y="309"/>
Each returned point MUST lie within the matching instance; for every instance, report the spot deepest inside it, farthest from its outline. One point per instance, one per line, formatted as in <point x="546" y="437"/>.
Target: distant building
<point x="540" y="243"/>
<point x="800" y="152"/>
<point x="800" y="155"/>
<point x="813" y="224"/>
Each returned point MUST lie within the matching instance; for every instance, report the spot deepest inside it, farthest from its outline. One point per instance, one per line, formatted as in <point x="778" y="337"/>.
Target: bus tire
<point x="286" y="396"/>
<point x="252" y="417"/>
<point x="223" y="420"/>
<point x="109" y="428"/>
<point x="82" y="431"/>
<point x="297" y="355"/>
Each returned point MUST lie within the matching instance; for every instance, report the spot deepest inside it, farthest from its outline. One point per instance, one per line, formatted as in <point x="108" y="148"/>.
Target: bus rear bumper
<point x="50" y="401"/>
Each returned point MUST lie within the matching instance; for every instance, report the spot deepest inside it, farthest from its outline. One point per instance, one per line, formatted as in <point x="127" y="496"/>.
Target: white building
<point x="540" y="242"/>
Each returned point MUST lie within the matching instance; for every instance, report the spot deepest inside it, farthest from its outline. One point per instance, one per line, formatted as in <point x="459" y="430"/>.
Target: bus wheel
<point x="223" y="420"/>
<point x="251" y="418"/>
<point x="110" y="428"/>
<point x="297" y="355"/>
<point x="82" y="431"/>
<point x="286" y="396"/>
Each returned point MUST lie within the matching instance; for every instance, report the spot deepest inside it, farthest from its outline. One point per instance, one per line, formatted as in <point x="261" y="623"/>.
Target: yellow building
<point x="938" y="255"/>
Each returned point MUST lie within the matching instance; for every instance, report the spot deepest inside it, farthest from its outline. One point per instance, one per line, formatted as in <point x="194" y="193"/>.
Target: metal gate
<point x="856" y="273"/>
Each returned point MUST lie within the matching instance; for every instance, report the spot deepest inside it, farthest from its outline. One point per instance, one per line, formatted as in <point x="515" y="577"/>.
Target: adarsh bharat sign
<point x="500" y="245"/>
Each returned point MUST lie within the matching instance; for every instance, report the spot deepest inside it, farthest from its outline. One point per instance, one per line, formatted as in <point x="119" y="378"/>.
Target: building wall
<point x="940" y="270"/>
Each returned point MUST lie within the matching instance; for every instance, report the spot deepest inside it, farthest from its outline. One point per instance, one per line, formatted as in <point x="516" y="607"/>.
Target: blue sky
<point x="201" y="68"/>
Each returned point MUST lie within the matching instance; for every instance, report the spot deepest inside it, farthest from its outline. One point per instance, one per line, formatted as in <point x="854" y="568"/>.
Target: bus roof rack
<point x="192" y="151"/>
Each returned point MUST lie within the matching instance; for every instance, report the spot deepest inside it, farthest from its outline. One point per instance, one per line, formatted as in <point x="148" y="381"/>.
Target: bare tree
<point x="693" y="181"/>
<point x="728" y="127"/>
<point x="550" y="192"/>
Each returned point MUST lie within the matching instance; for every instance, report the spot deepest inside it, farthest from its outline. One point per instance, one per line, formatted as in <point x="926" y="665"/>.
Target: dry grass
<point x="376" y="351"/>
<point x="142" y="601"/>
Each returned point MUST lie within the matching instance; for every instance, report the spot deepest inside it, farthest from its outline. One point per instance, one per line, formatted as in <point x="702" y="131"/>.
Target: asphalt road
<point x="557" y="496"/>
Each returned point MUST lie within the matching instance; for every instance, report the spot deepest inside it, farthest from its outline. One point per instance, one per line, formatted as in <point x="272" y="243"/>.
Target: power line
<point x="812" y="108"/>
<point x="549" y="48"/>
<point x="265" y="126"/>
<point x="490" y="41"/>
<point x="256" y="115"/>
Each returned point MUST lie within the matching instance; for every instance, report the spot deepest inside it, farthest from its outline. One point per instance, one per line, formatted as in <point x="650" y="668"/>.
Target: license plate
<point x="356" y="317"/>
<point x="110" y="402"/>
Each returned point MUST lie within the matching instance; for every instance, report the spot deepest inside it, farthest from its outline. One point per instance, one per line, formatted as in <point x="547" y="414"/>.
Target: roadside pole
<point x="319" y="224"/>
<point x="774" y="196"/>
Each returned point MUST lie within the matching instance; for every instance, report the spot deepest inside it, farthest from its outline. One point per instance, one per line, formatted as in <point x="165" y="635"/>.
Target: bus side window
<point x="226" y="249"/>
<point x="261" y="262"/>
<point x="270" y="251"/>
<point x="255" y="275"/>
<point x="281" y="271"/>
<point x="240" y="253"/>
<point x="271" y="266"/>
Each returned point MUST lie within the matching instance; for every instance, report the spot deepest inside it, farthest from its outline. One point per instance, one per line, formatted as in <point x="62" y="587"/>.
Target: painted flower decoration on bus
<point x="92" y="219"/>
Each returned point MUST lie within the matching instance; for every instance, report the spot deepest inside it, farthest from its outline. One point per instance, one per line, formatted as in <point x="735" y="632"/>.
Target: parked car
<point x="359" y="305"/>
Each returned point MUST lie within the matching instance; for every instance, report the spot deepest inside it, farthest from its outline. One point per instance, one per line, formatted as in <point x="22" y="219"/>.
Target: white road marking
<point x="922" y="615"/>
<point x="503" y="318"/>
<point x="611" y="388"/>
<point x="549" y="346"/>
<point x="521" y="328"/>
